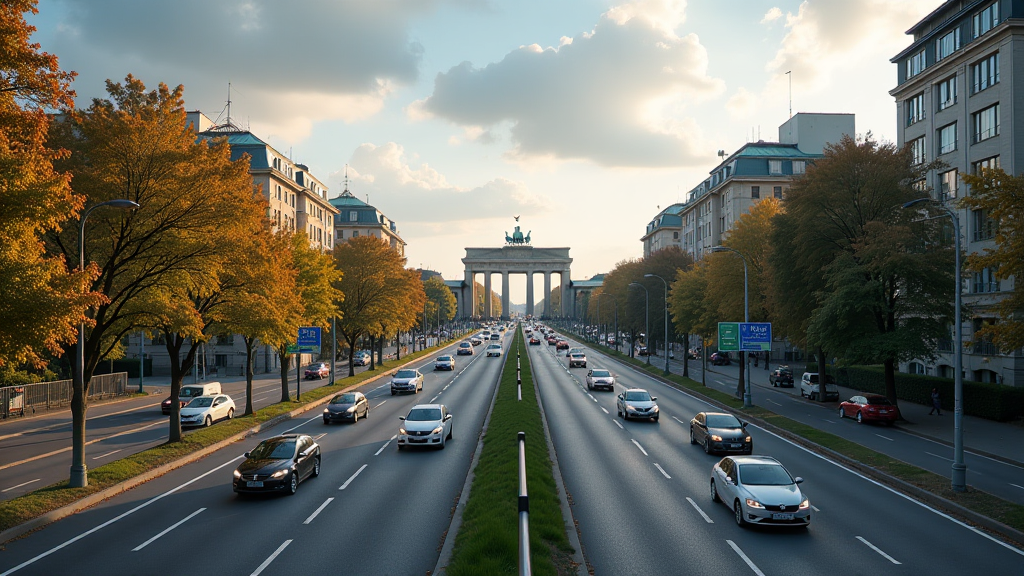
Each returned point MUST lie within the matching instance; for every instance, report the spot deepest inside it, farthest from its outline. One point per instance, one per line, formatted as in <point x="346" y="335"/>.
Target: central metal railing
<point x="28" y="398"/>
<point x="524" y="512"/>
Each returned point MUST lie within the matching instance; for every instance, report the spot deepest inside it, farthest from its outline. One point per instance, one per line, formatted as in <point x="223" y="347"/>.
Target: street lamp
<point x="647" y="317"/>
<point x="748" y="401"/>
<point x="959" y="476"/>
<point x="615" y="308"/>
<point x="79" y="477"/>
<point x="666" y="317"/>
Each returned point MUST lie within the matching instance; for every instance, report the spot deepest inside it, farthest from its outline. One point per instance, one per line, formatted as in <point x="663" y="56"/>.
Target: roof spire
<point x="346" y="193"/>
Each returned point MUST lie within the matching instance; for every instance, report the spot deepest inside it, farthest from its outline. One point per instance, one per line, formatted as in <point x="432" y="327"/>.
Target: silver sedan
<point x="760" y="490"/>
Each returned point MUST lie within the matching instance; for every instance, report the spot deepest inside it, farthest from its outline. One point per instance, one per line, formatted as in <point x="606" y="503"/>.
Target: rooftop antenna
<point x="229" y="103"/>
<point x="790" y="74"/>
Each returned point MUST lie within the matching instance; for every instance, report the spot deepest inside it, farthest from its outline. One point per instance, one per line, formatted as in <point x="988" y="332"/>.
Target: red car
<point x="534" y="341"/>
<point x="562" y="345"/>
<point x="318" y="371"/>
<point x="869" y="407"/>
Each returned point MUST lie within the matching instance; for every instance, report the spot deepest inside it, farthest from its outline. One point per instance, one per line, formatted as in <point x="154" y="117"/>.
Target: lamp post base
<point x="959" y="477"/>
<point x="79" y="477"/>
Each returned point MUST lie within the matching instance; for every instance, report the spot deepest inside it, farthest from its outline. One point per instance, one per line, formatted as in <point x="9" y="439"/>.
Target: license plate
<point x="883" y="411"/>
<point x="781" y="516"/>
<point x="736" y="445"/>
<point x="254" y="484"/>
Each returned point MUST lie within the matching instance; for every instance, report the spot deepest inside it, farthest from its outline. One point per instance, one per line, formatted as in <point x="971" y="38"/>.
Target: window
<point x="915" y="64"/>
<point x="985" y="281"/>
<point x="220" y="360"/>
<point x="947" y="44"/>
<point x="675" y="235"/>
<point x="948" y="185"/>
<point x="341" y="234"/>
<point x="355" y="233"/>
<point x="947" y="139"/>
<point x="983" y="344"/>
<point x="777" y="192"/>
<point x="984" y="21"/>
<point x="946" y="92"/>
<point x="920" y="185"/>
<point x="799" y="166"/>
<point x="989" y="163"/>
<point x="755" y="191"/>
<point x="916" y="368"/>
<point x="915" y="109"/>
<point x="353" y="216"/>
<point x="985" y="73"/>
<point x="917" y="150"/>
<point x="775" y="166"/>
<point x="986" y="123"/>
<point x="226" y="340"/>
<point x="984" y="227"/>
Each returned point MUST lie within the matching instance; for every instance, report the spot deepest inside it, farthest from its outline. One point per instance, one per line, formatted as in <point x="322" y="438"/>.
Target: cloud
<point x="772" y="15"/>
<point x="342" y="56"/>
<point x="421" y="194"/>
<point x="616" y="96"/>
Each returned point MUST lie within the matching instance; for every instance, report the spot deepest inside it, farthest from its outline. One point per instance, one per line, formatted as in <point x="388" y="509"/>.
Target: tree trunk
<point x="373" y="350"/>
<point x="249" y="344"/>
<point x="704" y="362"/>
<point x="285" y="358"/>
<point x="890" y="380"/>
<point x="351" y="358"/>
<point x="380" y="351"/>
<point x="822" y="374"/>
<point x="741" y="386"/>
<point x="398" y="346"/>
<point x="686" y="355"/>
<point x="178" y="370"/>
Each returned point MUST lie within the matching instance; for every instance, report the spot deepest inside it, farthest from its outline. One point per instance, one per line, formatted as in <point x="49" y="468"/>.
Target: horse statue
<point x="517" y="237"/>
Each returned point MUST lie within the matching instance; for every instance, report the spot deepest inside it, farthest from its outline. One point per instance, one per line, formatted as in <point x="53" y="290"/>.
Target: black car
<point x="720" y="359"/>
<point x="720" y="432"/>
<point x="278" y="464"/>
<point x="347" y="407"/>
<point x="781" y="376"/>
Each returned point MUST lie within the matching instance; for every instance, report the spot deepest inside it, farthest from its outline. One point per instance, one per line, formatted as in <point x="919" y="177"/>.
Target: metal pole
<point x="142" y="358"/>
<point x="663" y="281"/>
<point x="748" y="401"/>
<point x="298" y="374"/>
<point x="334" y="345"/>
<point x="524" y="512"/>
<point x="959" y="476"/>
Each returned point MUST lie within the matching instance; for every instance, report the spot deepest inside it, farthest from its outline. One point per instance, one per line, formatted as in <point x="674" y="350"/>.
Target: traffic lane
<point x="631" y="518"/>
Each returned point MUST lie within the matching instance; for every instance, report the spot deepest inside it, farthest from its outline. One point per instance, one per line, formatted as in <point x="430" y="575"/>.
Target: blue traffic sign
<point x="755" y="336"/>
<point x="309" y="336"/>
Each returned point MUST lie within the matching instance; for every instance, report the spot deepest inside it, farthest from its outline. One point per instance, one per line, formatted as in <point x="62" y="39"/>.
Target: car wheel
<point x="293" y="484"/>
<point x="842" y="413"/>
<point x="738" y="510"/>
<point x="656" y="419"/>
<point x="589" y="387"/>
<point x="450" y="432"/>
<point x="443" y="440"/>
<point x="208" y="422"/>
<point x="366" y="412"/>
<point x="355" y="417"/>
<point x="692" y="439"/>
<point x="316" y="467"/>
<point x="860" y="419"/>
<point x="231" y="413"/>
<point x="714" y="493"/>
<point x="393" y="392"/>
<point x="326" y="421"/>
<point x="707" y="446"/>
<point x="814" y="396"/>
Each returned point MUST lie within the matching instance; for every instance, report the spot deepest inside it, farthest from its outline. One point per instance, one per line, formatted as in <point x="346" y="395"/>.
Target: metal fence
<point x="30" y="398"/>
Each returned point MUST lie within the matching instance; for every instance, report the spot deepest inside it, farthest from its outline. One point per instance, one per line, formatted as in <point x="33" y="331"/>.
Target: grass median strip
<point x="34" y="504"/>
<point x="488" y="540"/>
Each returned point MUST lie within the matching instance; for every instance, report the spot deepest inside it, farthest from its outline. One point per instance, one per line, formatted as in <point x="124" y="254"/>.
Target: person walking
<point x="936" y="402"/>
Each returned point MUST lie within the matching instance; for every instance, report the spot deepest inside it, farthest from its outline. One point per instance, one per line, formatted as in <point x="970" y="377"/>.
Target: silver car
<point x="637" y="403"/>
<point x="406" y="380"/>
<point x="426" y="425"/>
<point x="760" y="490"/>
<point x="444" y="363"/>
<point x="600" y="378"/>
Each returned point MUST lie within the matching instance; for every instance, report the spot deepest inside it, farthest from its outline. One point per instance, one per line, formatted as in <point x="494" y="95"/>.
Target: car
<point x="347" y="407"/>
<point x="720" y="359"/>
<point x="406" y="380"/>
<point x="494" y="350"/>
<point x="561" y="345"/>
<point x="600" y="378"/>
<point x="476" y="341"/>
<point x="693" y="353"/>
<point x="552" y="341"/>
<point x="495" y="337"/>
<point x="361" y="358"/>
<point x="578" y="360"/>
<point x="486" y="335"/>
<point x="444" y="363"/>
<point x="641" y="351"/>
<point x="205" y="410"/>
<point x="869" y="408"/>
<point x="320" y="370"/>
<point x="534" y="341"/>
<point x="809" y="386"/>
<point x="760" y="491"/>
<point x="426" y="424"/>
<point x="572" y="351"/>
<point x="720" y="432"/>
<point x="464" y="349"/>
<point x="278" y="464"/>
<point x="781" y="376"/>
<point x="637" y="403"/>
<point x="187" y="392"/>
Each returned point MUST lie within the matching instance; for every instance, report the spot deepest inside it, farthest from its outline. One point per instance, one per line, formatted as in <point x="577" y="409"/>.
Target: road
<point x="641" y="499"/>
<point x="372" y="510"/>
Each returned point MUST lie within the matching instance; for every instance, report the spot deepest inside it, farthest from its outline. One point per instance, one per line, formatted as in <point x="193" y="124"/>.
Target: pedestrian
<point x="936" y="402"/>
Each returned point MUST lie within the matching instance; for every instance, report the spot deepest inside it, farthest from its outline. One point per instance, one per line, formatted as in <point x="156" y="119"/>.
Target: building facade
<point x="955" y="103"/>
<point x="357" y="218"/>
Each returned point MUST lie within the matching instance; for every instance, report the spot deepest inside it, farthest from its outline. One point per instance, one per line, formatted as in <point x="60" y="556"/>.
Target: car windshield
<point x="424" y="414"/>
<point x="344" y="399"/>
<point x="494" y="346"/>
<point x="879" y="401"/>
<point x="464" y="345"/>
<point x="444" y="358"/>
<point x="722" y="421"/>
<point x="577" y="355"/>
<point x="405" y="374"/>
<point x="190" y="392"/>
<point x="201" y="402"/>
<point x="638" y="396"/>
<point x="273" y="450"/>
<point x="764" y="475"/>
<point x="600" y="373"/>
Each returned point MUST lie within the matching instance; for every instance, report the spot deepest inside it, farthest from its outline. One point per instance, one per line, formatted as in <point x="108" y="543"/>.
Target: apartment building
<point x="357" y="218"/>
<point x="955" y="103"/>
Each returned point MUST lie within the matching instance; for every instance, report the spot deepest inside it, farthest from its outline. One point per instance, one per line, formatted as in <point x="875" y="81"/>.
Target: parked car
<point x="760" y="490"/>
<point x="319" y="371"/>
<point x="278" y="464"/>
<point x="494" y="350"/>
<point x="600" y="378"/>
<point x="347" y="407"/>
<point x="464" y="349"/>
<point x="534" y="341"/>
<point x="561" y="345"/>
<point x="187" y="392"/>
<point x="406" y="380"/>
<point x="476" y="341"/>
<point x="444" y="363"/>
<point x="205" y="410"/>
<point x="637" y="403"/>
<point x="781" y="376"/>
<point x="694" y="353"/>
<point x="720" y="359"/>
<point x="361" y="358"/>
<point x="809" y="386"/>
<point x="578" y="360"/>
<point x="641" y="350"/>
<point x="869" y="408"/>
<point x="426" y="424"/>
<point x="720" y="432"/>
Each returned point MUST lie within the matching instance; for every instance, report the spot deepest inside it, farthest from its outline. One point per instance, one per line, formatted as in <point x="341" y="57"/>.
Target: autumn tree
<point x="688" y="305"/>
<point x="440" y="300"/>
<point x="495" y="301"/>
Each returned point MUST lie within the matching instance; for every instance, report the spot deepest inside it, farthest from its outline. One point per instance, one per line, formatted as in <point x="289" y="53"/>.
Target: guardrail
<point x="26" y="398"/>
<point x="524" y="512"/>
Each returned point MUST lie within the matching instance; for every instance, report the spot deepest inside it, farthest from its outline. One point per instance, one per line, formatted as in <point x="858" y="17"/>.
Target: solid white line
<point x="171" y="527"/>
<point x="967" y="450"/>
<point x="815" y="508"/>
<point x="699" y="511"/>
<point x="271" y="559"/>
<point x="639" y="446"/>
<point x="773" y="401"/>
<point x="352" y="477"/>
<point x="662" y="470"/>
<point x="937" y="456"/>
<point x="377" y="453"/>
<point x="379" y="405"/>
<point x="318" y="510"/>
<point x="38" y="479"/>
<point x="63" y="424"/>
<point x="617" y="423"/>
<point x="605" y="410"/>
<point x="745" y="559"/>
<point x="875" y="548"/>
<point x="105" y="455"/>
<point x="115" y="519"/>
<point x="303" y="424"/>
<point x="1017" y="486"/>
<point x="885" y="437"/>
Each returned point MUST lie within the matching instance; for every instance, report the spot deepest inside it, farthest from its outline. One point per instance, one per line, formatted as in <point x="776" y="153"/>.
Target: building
<point x="665" y="230"/>
<point x="955" y="86"/>
<point x="357" y="218"/>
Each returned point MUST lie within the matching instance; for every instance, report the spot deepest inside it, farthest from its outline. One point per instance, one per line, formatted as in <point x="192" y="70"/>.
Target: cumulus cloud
<point x="772" y="15"/>
<point x="342" y="56"/>
<point x="616" y="95"/>
<point x="421" y="194"/>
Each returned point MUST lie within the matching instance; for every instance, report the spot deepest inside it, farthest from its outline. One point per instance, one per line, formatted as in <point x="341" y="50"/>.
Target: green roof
<point x="784" y="151"/>
<point x="347" y="200"/>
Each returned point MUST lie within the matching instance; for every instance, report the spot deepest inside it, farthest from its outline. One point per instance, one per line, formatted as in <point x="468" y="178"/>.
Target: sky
<point x="584" y="118"/>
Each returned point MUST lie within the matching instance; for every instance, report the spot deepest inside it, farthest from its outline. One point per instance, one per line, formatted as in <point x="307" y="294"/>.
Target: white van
<point x="809" y="386"/>
<point x="190" y="391"/>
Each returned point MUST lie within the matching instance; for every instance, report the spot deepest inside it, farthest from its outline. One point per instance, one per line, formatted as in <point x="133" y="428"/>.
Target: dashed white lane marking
<point x="171" y="527"/>
<point x="662" y="470"/>
<point x="617" y="423"/>
<point x="107" y="454"/>
<point x="377" y="453"/>
<point x="699" y="511"/>
<point x="271" y="558"/>
<point x="1017" y="486"/>
<point x="605" y="410"/>
<point x="940" y="457"/>
<point x="434" y="398"/>
<point x="302" y="424"/>
<point x="678" y="420"/>
<point x="885" y="437"/>
<point x="318" y="511"/>
<point x="815" y="508"/>
<point x="89" y="443"/>
<point x="38" y="479"/>
<point x="352" y="477"/>
<point x="379" y="405"/>
<point x="875" y="548"/>
<point x="639" y="446"/>
<point x="320" y="436"/>
<point x="829" y="421"/>
<point x="744" y="558"/>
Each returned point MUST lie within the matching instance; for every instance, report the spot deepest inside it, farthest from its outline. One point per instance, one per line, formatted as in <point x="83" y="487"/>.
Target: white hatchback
<point x="426" y="425"/>
<point x="205" y="410"/>
<point x="494" y="350"/>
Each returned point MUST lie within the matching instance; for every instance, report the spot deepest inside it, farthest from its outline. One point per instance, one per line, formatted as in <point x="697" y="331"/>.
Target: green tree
<point x="440" y="299"/>
<point x="688" y="305"/>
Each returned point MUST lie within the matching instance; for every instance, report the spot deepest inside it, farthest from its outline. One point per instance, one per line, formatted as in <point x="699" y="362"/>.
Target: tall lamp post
<point x="959" y="475"/>
<point x="666" y="317"/>
<point x="79" y="476"/>
<point x="647" y="316"/>
<point x="748" y="401"/>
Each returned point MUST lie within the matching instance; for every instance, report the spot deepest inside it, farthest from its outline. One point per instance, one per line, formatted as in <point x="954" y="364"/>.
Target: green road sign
<point x="729" y="336"/>
<point x="295" y="349"/>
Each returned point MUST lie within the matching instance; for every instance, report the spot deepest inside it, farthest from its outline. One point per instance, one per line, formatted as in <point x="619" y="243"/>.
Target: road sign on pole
<point x="755" y="336"/>
<point x="309" y="337"/>
<point x="729" y="336"/>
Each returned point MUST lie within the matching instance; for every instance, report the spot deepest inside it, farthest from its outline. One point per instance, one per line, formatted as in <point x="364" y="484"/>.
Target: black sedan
<point x="720" y="432"/>
<point x="278" y="464"/>
<point x="781" y="376"/>
<point x="347" y="407"/>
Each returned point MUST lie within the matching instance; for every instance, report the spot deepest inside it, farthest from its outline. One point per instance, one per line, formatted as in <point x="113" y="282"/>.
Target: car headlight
<point x="805" y="504"/>
<point x="754" y="503"/>
<point x="402" y="431"/>
<point x="239" y="475"/>
<point x="655" y="408"/>
<point x="283" y="473"/>
<point x="716" y="437"/>
<point x="350" y="410"/>
<point x="747" y="439"/>
<point x="438" y="430"/>
<point x="326" y="411"/>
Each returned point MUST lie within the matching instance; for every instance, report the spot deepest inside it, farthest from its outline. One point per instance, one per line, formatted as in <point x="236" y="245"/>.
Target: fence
<point x="27" y="398"/>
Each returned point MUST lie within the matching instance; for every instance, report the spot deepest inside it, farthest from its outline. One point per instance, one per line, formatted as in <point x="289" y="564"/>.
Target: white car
<point x="205" y="410"/>
<point x="599" y="378"/>
<point x="759" y="490"/>
<point x="426" y="425"/>
<point x="810" y="387"/>
<point x="494" y="350"/>
<point x="637" y="403"/>
<point x="445" y="363"/>
<point x="406" y="380"/>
